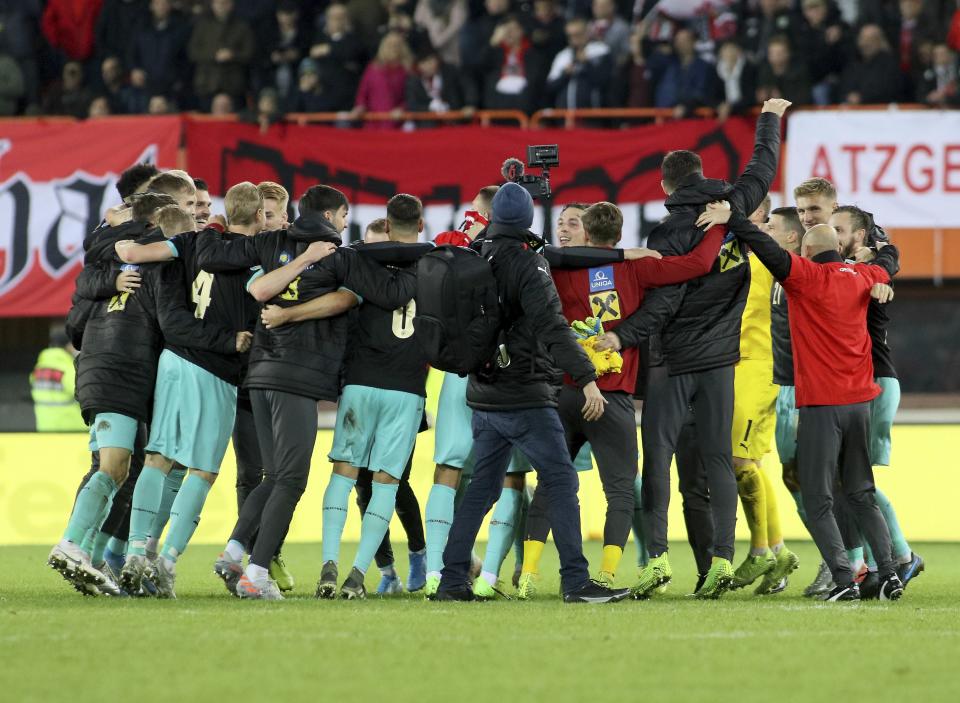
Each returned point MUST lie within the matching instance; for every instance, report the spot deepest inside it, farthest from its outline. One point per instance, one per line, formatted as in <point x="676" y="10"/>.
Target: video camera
<point x="542" y="156"/>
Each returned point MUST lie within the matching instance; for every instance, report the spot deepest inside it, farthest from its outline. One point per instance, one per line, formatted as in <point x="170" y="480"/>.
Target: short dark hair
<point x="404" y="210"/>
<point x="603" y="223"/>
<point x="320" y="199"/>
<point x="145" y="204"/>
<point x="858" y="218"/>
<point x="134" y="177"/>
<point x="576" y="206"/>
<point x="679" y="165"/>
<point x="789" y="214"/>
<point x="378" y="225"/>
<point x="200" y="184"/>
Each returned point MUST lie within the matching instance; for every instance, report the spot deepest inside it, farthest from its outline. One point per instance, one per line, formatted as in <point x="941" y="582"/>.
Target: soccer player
<point x="376" y="231"/>
<point x="178" y="187"/>
<point x="276" y="200"/>
<point x="754" y="421"/>
<point x="202" y="211"/>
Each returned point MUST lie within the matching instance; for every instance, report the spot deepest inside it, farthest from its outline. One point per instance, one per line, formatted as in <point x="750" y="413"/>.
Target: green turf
<point x="56" y="645"/>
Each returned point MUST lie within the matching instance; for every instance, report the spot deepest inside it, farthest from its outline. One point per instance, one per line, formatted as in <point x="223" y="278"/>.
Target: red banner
<point x="56" y="180"/>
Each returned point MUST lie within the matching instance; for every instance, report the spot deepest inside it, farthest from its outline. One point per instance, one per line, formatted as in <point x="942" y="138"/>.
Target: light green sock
<point x="855" y="555"/>
<point x="642" y="555"/>
<point x="184" y="516"/>
<point x="93" y="498"/>
<point x="376" y="521"/>
<point x="500" y="531"/>
<point x="90" y="539"/>
<point x="171" y="486"/>
<point x="146" y="499"/>
<point x="868" y="557"/>
<point x="901" y="549"/>
<point x="335" y="504"/>
<point x="99" y="544"/>
<point x="798" y="499"/>
<point x="117" y="546"/>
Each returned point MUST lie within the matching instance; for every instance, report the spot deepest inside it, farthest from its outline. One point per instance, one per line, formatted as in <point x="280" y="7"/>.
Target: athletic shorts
<point x="787" y="418"/>
<point x="754" y="409"/>
<point x="193" y="414"/>
<point x="113" y="430"/>
<point x="883" y="409"/>
<point x="584" y="460"/>
<point x="376" y="428"/>
<point x="453" y="436"/>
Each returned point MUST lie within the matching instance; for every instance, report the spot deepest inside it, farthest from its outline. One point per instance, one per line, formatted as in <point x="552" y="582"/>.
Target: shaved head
<point x="818" y="239"/>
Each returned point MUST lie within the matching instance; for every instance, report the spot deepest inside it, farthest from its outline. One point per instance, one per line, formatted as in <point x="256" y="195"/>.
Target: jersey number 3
<point x="403" y="320"/>
<point x="202" y="289"/>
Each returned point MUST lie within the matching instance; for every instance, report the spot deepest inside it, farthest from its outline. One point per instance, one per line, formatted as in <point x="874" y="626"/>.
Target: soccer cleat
<point x="418" y="572"/>
<point x="462" y="594"/>
<point x="595" y="592"/>
<point x="261" y="589"/>
<point x="822" y="584"/>
<point x="606" y="578"/>
<point x="527" y="587"/>
<point x="910" y="570"/>
<point x="655" y="574"/>
<point x="163" y="573"/>
<point x="115" y="562"/>
<point x="390" y="585"/>
<point x="133" y="572"/>
<point x="891" y="588"/>
<point x="484" y="591"/>
<point x="148" y="589"/>
<point x="280" y="574"/>
<point x="73" y="564"/>
<point x="110" y="585"/>
<point x="327" y="585"/>
<point x="849" y="592"/>
<point x="752" y="568"/>
<point x="229" y="570"/>
<point x="719" y="579"/>
<point x="786" y="563"/>
<point x="870" y="587"/>
<point x="352" y="588"/>
<point x="701" y="579"/>
<point x="431" y="586"/>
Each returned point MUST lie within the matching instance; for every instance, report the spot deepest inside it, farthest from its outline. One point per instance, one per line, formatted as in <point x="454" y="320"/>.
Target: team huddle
<point x="194" y="328"/>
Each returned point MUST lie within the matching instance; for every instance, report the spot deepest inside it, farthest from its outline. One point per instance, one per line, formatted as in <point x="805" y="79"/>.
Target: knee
<point x="514" y="481"/>
<point x="861" y="498"/>
<point x="207" y="476"/>
<point x="385" y="478"/>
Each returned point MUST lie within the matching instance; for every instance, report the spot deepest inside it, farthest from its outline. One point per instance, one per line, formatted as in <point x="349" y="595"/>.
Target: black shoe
<point x="595" y="592"/>
<point x="843" y="593"/>
<point x="913" y="568"/>
<point x="891" y="588"/>
<point x="462" y="594"/>
<point x="701" y="578"/>
<point x="870" y="586"/>
<point x="352" y="588"/>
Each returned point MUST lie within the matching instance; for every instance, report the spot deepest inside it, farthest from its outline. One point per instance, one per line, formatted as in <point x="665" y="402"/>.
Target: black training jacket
<point x="537" y="336"/>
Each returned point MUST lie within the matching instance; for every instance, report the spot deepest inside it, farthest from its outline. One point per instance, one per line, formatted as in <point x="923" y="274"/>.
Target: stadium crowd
<point x="264" y="58"/>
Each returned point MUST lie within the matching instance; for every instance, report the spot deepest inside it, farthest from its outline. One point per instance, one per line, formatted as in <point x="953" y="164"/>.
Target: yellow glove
<point x="607" y="361"/>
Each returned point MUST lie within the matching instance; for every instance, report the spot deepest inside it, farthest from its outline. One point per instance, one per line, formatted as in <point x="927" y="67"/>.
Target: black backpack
<point x="458" y="310"/>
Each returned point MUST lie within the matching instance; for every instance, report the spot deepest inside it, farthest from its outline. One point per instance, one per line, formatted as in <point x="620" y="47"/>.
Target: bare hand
<point x="273" y="316"/>
<point x="778" y="106"/>
<point x="717" y="213"/>
<point x="882" y="293"/>
<point x="641" y="253"/>
<point x="118" y="215"/>
<point x="864" y="255"/>
<point x="319" y="250"/>
<point x="594" y="407"/>
<point x="138" y="78"/>
<point x="128" y="282"/>
<point x="121" y="246"/>
<point x="223" y="55"/>
<point x="608" y="341"/>
<point x="244" y="340"/>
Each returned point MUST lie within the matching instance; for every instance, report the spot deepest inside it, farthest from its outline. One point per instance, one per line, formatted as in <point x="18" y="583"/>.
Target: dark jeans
<point x="537" y="433"/>
<point x="834" y="441"/>
<point x="408" y="511"/>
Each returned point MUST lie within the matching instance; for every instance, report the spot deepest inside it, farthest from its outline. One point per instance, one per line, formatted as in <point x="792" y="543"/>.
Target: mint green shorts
<point x="453" y="443"/>
<point x="787" y="418"/>
<point x="113" y="430"/>
<point x="883" y="409"/>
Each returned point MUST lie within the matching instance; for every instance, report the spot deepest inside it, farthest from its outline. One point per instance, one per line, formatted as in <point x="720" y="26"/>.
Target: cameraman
<point x="517" y="405"/>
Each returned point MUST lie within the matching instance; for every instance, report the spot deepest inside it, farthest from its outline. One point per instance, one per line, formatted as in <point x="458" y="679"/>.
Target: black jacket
<point x="537" y="337"/>
<point x="451" y="91"/>
<point x="699" y="321"/>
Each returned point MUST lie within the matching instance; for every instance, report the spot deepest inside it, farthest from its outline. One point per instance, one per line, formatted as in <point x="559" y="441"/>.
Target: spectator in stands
<point x="309" y="95"/>
<point x="68" y="26"/>
<point x="611" y="29"/>
<point x="124" y="98"/>
<point x="737" y="80"/>
<point x="683" y="80"/>
<point x="953" y="34"/>
<point x="507" y="79"/>
<point x="633" y="85"/>
<point x="384" y="81"/>
<point x="339" y="55"/>
<point x="116" y="26"/>
<point x="99" y="107"/>
<point x="160" y="105"/>
<point x="222" y="105"/>
<point x="221" y="46"/>
<point x="762" y="21"/>
<point x="267" y="111"/>
<point x="434" y="87"/>
<point x="938" y="86"/>
<point x="69" y="97"/>
<point x="11" y="85"/>
<point x="911" y="31"/>
<point x="874" y="79"/>
<point x="546" y="34"/>
<point x="367" y="17"/>
<point x="580" y="74"/>
<point x="282" y="50"/>
<point x="474" y="39"/>
<point x="19" y="34"/>
<point x="443" y="20"/>
<point x="158" y="53"/>
<point x="401" y="22"/>
<point x="780" y="76"/>
<point x="823" y="42"/>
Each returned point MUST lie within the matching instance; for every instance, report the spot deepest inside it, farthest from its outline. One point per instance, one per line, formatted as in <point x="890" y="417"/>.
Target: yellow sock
<point x="774" y="532"/>
<point x="611" y="558"/>
<point x="750" y="486"/>
<point x="532" y="550"/>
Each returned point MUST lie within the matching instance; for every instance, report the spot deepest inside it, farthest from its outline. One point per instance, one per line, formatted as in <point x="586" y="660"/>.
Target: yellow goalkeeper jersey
<point x="755" y="340"/>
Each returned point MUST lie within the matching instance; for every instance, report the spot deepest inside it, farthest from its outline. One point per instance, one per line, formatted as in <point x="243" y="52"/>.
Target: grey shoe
<point x="352" y="588"/>
<point x="164" y="575"/>
<point x="110" y="585"/>
<point x="74" y="565"/>
<point x="229" y="571"/>
<point x="131" y="576"/>
<point x="822" y="584"/>
<point x="262" y="589"/>
<point x="327" y="585"/>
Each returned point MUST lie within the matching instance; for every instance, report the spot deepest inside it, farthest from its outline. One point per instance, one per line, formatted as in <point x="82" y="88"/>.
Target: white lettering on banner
<point x="902" y="166"/>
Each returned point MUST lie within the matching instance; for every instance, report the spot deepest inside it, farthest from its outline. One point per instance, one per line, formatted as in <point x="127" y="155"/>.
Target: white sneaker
<point x="163" y="573"/>
<point x="261" y="589"/>
<point x="131" y="577"/>
<point x="74" y="564"/>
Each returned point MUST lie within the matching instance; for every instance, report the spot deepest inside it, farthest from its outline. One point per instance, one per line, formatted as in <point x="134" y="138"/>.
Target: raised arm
<point x="329" y="305"/>
<point x="777" y="260"/>
<point x="755" y="181"/>
<point x="650" y="272"/>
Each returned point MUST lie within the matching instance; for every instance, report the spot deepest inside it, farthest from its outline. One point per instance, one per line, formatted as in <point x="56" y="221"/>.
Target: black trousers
<point x="695" y="492"/>
<point x="408" y="510"/>
<point x="286" y="427"/>
<point x="246" y="447"/>
<point x="669" y="399"/>
<point x="834" y="442"/>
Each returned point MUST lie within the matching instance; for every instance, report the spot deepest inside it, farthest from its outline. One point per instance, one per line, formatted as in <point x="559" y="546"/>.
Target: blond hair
<point x="815" y="186"/>
<point x="171" y="183"/>
<point x="274" y="191"/>
<point x="173" y="220"/>
<point x="241" y="204"/>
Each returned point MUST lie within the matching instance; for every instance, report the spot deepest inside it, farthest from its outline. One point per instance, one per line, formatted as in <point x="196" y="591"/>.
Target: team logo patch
<point x="601" y="278"/>
<point x="730" y="255"/>
<point x="284" y="258"/>
<point x="103" y="426"/>
<point x="606" y="306"/>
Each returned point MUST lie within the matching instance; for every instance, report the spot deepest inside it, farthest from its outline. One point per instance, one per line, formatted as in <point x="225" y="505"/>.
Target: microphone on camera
<point x="512" y="169"/>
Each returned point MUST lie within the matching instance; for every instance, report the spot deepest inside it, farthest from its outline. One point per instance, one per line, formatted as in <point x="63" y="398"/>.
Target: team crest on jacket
<point x="284" y="258"/>
<point x="605" y="305"/>
<point x="731" y="255"/>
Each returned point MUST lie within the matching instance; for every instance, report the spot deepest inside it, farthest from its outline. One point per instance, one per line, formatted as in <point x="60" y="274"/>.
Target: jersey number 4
<point x="403" y="320"/>
<point x="202" y="290"/>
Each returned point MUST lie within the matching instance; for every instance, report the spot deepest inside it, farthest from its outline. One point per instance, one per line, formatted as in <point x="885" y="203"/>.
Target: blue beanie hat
<point x="513" y="206"/>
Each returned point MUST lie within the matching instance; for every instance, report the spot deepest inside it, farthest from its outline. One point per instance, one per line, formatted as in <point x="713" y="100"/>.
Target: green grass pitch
<point x="58" y="646"/>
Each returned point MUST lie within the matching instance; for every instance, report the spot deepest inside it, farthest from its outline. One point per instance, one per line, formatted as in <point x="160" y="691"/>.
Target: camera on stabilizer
<point x="542" y="156"/>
